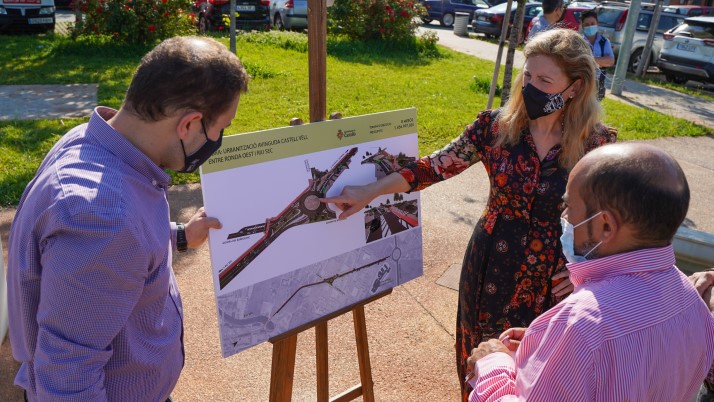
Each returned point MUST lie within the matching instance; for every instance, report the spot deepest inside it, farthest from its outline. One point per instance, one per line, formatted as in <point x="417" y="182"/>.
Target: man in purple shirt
<point x="95" y="312"/>
<point x="634" y="328"/>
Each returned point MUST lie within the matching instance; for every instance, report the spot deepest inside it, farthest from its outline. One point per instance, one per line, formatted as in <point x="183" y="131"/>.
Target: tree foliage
<point x="375" y="19"/>
<point x="135" y="21"/>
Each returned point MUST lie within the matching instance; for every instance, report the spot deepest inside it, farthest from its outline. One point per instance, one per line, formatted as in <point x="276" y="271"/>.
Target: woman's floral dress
<point x="515" y="247"/>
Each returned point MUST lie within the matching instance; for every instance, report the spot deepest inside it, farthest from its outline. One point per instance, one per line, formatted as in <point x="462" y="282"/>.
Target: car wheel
<point x="426" y="20"/>
<point x="204" y="24"/>
<point x="676" y="79"/>
<point x="447" y="20"/>
<point x="635" y="60"/>
<point x="278" y="22"/>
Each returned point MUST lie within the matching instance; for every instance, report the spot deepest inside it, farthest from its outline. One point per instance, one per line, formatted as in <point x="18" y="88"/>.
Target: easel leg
<point x="323" y="384"/>
<point x="365" y="368"/>
<point x="281" y="376"/>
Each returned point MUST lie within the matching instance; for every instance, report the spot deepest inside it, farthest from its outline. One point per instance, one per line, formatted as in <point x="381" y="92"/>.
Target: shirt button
<point x="154" y="183"/>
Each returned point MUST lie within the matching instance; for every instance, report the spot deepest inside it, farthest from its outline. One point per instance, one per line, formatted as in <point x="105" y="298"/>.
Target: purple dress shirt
<point x="95" y="312"/>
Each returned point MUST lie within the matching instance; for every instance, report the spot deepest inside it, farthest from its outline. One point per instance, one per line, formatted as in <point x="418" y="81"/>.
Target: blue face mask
<point x="590" y="31"/>
<point x="567" y="240"/>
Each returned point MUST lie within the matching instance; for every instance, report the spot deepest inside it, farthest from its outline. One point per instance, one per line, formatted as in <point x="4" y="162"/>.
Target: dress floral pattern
<point x="515" y="247"/>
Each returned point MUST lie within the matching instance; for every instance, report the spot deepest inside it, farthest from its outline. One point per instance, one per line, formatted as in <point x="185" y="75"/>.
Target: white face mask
<point x="567" y="240"/>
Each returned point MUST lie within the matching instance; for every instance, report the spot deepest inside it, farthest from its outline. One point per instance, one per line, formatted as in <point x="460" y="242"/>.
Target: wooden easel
<point x="284" y="348"/>
<point x="285" y="345"/>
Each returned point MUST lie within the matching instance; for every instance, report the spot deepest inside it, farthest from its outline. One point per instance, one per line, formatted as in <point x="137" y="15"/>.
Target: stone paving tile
<point x="32" y="102"/>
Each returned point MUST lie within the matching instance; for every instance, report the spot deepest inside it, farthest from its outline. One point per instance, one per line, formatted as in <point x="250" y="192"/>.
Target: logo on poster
<point x="349" y="133"/>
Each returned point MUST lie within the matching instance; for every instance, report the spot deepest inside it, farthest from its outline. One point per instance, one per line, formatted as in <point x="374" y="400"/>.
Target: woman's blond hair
<point x="582" y="113"/>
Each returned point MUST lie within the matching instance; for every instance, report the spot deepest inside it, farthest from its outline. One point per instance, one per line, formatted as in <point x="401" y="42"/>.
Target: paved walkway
<point x="32" y="102"/>
<point x="663" y="100"/>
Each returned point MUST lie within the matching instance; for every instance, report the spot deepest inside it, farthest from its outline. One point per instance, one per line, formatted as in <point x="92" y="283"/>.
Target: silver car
<point x="688" y="51"/>
<point x="611" y="21"/>
<point x="288" y="14"/>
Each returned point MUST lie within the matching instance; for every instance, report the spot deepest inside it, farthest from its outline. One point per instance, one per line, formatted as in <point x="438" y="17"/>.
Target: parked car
<point x="490" y="21"/>
<point x="611" y="21"/>
<point x="689" y="11"/>
<point x="288" y="14"/>
<point x="23" y="16"/>
<point x="688" y="51"/>
<point x="571" y="17"/>
<point x="250" y="14"/>
<point x="444" y="11"/>
<point x="63" y="4"/>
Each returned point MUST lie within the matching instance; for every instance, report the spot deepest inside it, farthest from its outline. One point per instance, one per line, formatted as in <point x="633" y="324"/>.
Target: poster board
<point x="282" y="259"/>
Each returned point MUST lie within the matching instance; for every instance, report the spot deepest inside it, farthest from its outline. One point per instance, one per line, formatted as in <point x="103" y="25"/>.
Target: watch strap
<point x="181" y="242"/>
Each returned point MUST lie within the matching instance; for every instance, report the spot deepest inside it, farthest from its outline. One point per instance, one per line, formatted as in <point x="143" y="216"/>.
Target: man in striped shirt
<point x="634" y="329"/>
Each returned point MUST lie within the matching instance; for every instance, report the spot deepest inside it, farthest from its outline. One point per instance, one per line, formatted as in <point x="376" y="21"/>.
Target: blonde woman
<point x="514" y="268"/>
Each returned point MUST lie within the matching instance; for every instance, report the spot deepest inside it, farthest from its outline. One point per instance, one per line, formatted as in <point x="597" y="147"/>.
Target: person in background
<point x="601" y="48"/>
<point x="513" y="269"/>
<point x="552" y="14"/>
<point x="634" y="328"/>
<point x="95" y="312"/>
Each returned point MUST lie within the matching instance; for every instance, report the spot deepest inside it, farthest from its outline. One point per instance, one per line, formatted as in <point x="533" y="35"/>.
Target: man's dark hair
<point x="648" y="190"/>
<point x="183" y="73"/>
<point x="588" y="14"/>
<point x="551" y="5"/>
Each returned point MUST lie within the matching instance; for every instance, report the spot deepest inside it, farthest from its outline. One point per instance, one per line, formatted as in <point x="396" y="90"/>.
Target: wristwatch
<point x="181" y="242"/>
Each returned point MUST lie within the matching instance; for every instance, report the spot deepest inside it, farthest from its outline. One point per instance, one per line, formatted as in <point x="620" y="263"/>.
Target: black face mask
<point x="196" y="159"/>
<point x="539" y="103"/>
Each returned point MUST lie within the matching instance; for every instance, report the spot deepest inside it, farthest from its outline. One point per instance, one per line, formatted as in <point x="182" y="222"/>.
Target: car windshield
<point x="696" y="30"/>
<point x="643" y="22"/>
<point x="665" y="22"/>
<point x="607" y="17"/>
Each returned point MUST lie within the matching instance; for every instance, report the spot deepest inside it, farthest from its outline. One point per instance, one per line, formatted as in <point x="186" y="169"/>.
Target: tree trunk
<point x="512" y="43"/>
<point x="645" y="59"/>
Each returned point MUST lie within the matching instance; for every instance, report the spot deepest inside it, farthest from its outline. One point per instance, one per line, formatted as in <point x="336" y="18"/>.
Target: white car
<point x="288" y="14"/>
<point x="688" y="51"/>
<point x="27" y="15"/>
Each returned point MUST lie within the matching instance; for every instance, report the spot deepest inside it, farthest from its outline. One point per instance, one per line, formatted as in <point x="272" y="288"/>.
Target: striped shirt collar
<point x="117" y="144"/>
<point x="638" y="261"/>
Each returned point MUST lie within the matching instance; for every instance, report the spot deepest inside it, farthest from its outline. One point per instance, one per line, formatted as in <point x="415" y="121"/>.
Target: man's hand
<point x="484" y="349"/>
<point x="197" y="228"/>
<point x="512" y="338"/>
<point x="702" y="280"/>
<point x="565" y="287"/>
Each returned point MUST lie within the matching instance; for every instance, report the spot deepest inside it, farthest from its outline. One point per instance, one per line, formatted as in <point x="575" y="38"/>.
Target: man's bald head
<point x="643" y="185"/>
<point x="186" y="73"/>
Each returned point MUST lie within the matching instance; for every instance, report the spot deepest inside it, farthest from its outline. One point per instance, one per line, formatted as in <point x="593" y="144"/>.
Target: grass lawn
<point x="361" y="79"/>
